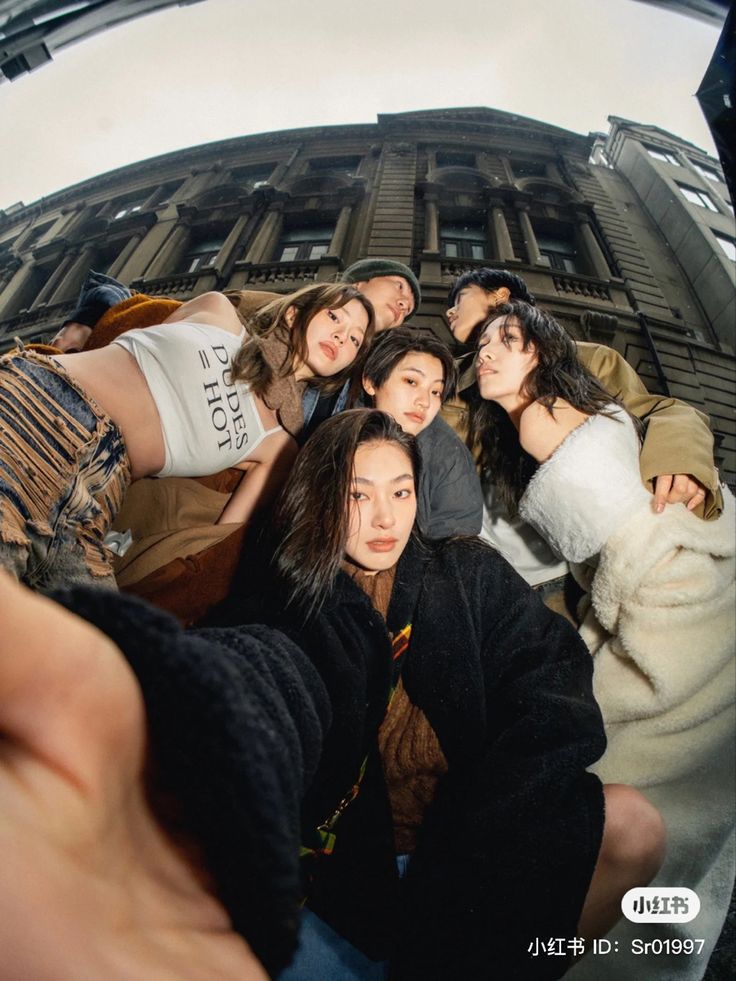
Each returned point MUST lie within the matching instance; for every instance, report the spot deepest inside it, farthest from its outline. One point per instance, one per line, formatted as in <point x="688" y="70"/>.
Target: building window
<point x="125" y="210"/>
<point x="463" y="241"/>
<point x="335" y="165"/>
<point x="201" y="253"/>
<point x="700" y="198"/>
<point x="253" y="177"/>
<point x="664" y="155"/>
<point x="707" y="172"/>
<point x="559" y="247"/>
<point x="454" y="158"/>
<point x="301" y="244"/>
<point x="727" y="244"/>
<point x="36" y="234"/>
<point x="128" y="204"/>
<point x="599" y="156"/>
<point x="528" y="168"/>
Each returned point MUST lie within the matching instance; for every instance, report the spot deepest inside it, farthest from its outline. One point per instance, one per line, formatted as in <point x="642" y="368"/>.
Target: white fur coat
<point x="660" y="624"/>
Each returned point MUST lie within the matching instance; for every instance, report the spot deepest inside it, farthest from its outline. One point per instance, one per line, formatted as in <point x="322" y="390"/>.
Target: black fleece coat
<point x="236" y="721"/>
<point x="507" y="848"/>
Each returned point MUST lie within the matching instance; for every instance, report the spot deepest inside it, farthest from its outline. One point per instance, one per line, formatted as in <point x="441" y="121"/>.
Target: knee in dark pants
<point x="635" y="836"/>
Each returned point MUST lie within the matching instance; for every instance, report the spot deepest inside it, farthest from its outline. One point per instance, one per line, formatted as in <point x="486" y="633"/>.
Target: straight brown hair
<point x="249" y="364"/>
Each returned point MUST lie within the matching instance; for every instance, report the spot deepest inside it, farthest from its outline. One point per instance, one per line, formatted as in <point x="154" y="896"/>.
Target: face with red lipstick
<point x="383" y="506"/>
<point x="334" y="337"/>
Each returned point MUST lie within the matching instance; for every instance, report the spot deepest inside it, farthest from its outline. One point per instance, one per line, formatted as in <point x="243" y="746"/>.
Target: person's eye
<point x="437" y="392"/>
<point x="357" y="341"/>
<point x="332" y="315"/>
<point x="358" y="496"/>
<point x="403" y="494"/>
<point x="410" y="381"/>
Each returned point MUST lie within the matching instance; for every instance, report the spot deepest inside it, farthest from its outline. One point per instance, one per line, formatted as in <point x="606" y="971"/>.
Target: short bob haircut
<point x="492" y="279"/>
<point x="392" y="345"/>
<point x="249" y="364"/>
<point x="312" y="516"/>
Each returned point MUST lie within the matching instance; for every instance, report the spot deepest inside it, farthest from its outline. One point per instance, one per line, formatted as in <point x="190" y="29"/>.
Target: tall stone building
<point x="627" y="237"/>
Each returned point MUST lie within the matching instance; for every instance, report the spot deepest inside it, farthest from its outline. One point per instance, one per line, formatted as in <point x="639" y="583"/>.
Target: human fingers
<point x="662" y="486"/>
<point x="697" y="498"/>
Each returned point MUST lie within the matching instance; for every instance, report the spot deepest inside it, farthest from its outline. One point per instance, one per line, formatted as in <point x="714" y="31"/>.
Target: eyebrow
<point x="437" y="381"/>
<point x="404" y="288"/>
<point x="394" y="480"/>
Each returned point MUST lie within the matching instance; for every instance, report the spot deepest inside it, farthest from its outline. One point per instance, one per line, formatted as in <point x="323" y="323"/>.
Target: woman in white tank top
<point x="189" y="397"/>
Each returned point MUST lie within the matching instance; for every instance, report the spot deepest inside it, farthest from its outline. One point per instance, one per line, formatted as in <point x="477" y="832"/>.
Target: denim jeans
<point x="63" y="472"/>
<point x="98" y="293"/>
<point x="323" y="955"/>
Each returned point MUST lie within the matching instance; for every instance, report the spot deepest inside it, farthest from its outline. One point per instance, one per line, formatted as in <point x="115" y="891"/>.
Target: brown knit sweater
<point x="413" y="762"/>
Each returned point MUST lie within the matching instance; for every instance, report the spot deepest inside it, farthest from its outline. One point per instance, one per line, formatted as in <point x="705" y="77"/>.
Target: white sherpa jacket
<point x="660" y="623"/>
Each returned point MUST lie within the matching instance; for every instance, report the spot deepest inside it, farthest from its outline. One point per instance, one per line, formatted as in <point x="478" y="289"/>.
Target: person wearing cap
<point x="179" y="559"/>
<point x="106" y="308"/>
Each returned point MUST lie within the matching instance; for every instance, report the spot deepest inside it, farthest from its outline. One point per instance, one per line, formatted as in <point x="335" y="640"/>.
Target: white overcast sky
<point x="225" y="68"/>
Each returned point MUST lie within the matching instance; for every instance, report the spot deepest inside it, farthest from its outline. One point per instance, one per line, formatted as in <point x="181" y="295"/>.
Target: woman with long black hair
<point x="462" y="727"/>
<point x="658" y="609"/>
<point x="420" y="722"/>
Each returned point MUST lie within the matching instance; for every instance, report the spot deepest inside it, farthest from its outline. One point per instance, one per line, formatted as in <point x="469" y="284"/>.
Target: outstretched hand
<point x="92" y="886"/>
<point x="677" y="488"/>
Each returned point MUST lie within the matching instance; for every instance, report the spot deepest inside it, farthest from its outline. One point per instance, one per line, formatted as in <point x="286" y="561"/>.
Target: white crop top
<point x="208" y="421"/>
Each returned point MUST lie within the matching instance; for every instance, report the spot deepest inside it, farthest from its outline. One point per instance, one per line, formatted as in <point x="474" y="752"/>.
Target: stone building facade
<point x="612" y="236"/>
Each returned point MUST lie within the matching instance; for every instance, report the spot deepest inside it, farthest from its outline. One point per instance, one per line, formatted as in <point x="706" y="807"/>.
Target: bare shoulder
<point x="541" y="431"/>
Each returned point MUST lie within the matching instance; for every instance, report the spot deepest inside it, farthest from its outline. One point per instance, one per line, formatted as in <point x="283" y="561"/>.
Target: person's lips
<point x="329" y="350"/>
<point x="415" y="417"/>
<point x="382" y="544"/>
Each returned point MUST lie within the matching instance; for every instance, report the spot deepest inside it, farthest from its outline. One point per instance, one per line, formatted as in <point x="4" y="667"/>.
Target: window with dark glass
<point x="201" y="253"/>
<point x="664" y="155"/>
<point x="36" y="234"/>
<point x="708" y="172"/>
<point x="301" y="244"/>
<point x="694" y="196"/>
<point x="455" y="158"/>
<point x="463" y="241"/>
<point x="254" y="176"/>
<point x="122" y="211"/>
<point x="528" y="168"/>
<point x="727" y="244"/>
<point x="105" y="256"/>
<point x="558" y="245"/>
<point x="347" y="166"/>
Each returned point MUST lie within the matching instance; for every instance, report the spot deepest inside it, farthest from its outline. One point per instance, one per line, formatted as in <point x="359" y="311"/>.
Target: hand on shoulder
<point x="541" y="430"/>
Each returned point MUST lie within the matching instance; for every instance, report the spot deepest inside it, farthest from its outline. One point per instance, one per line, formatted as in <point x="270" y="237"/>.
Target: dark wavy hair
<point x="557" y="374"/>
<point x="312" y="516"/>
<point x="392" y="345"/>
<point x="249" y="364"/>
<point x="492" y="279"/>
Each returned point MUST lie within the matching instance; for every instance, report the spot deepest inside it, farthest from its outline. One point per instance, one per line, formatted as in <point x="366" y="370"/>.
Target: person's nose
<point x="421" y="398"/>
<point x="338" y="335"/>
<point x="383" y="513"/>
<point x="486" y="354"/>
